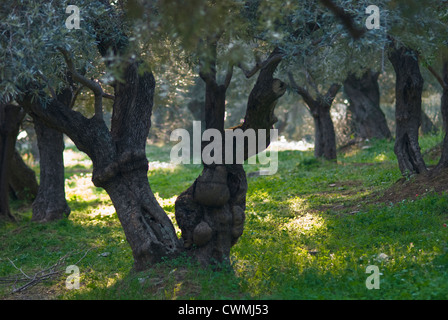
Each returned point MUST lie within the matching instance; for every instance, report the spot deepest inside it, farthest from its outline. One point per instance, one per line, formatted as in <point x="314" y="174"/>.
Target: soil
<point x="417" y="186"/>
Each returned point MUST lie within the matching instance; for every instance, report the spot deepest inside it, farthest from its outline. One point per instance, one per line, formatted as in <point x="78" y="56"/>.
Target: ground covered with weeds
<point x="311" y="231"/>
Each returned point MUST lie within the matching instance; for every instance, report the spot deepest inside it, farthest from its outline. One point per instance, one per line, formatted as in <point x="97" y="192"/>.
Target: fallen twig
<point x="30" y="281"/>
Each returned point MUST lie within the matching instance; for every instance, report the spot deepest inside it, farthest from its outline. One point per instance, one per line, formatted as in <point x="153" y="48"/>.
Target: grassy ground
<point x="311" y="231"/>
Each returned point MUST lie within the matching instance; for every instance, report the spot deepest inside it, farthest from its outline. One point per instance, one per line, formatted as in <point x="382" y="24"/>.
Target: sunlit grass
<point x="310" y="233"/>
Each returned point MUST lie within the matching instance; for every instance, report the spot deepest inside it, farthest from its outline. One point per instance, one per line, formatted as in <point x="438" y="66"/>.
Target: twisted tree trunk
<point x="119" y="161"/>
<point x="364" y="103"/>
<point x="409" y="86"/>
<point x="319" y="108"/>
<point x="121" y="169"/>
<point x="211" y="212"/>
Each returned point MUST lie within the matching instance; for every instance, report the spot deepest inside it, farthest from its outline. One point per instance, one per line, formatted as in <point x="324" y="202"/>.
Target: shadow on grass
<point x="77" y="204"/>
<point x="180" y="278"/>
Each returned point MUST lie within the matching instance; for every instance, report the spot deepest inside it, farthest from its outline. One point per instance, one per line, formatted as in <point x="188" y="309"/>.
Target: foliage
<point x="31" y="31"/>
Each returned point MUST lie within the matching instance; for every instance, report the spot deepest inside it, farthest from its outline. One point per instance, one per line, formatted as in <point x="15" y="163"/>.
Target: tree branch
<point x="48" y="273"/>
<point x="310" y="80"/>
<point x="437" y="76"/>
<point x="310" y="102"/>
<point x="92" y="85"/>
<point x="229" y="75"/>
<point x="208" y="72"/>
<point x="75" y="95"/>
<point x="346" y="19"/>
<point x="332" y="92"/>
<point x="50" y="88"/>
<point x="260" y="65"/>
<point x="108" y="96"/>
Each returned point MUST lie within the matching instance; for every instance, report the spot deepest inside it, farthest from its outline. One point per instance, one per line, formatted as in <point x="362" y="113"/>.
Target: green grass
<point x="311" y="231"/>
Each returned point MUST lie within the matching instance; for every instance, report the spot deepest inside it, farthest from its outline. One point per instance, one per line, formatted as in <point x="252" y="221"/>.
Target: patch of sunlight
<point x="102" y="211"/>
<point x="259" y="195"/>
<point x="305" y="223"/>
<point x="176" y="290"/>
<point x="92" y="280"/>
<point x="80" y="186"/>
<point x="112" y="280"/>
<point x="168" y="205"/>
<point x="72" y="158"/>
<point x="165" y="202"/>
<point x="298" y="205"/>
<point x="154" y="165"/>
<point x="381" y="157"/>
<point x="282" y="144"/>
<point x="306" y="220"/>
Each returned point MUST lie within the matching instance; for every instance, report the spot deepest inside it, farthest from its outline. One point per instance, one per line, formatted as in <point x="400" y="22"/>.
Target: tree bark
<point x="10" y="118"/>
<point x="211" y="212"/>
<point x="148" y="229"/>
<point x="324" y="134"/>
<point x="319" y="108"/>
<point x="427" y="126"/>
<point x="364" y="103"/>
<point x="443" y="162"/>
<point x="119" y="161"/>
<point x="50" y="203"/>
<point x="408" y="90"/>
<point x="118" y="155"/>
<point x="22" y="179"/>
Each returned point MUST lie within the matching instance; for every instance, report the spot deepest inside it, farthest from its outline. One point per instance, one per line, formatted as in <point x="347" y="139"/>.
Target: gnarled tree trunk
<point x="119" y="161"/>
<point x="121" y="169"/>
<point x="211" y="212"/>
<point x="10" y="118"/>
<point x="408" y="107"/>
<point x="363" y="93"/>
<point x="50" y="203"/>
<point x="148" y="229"/>
<point x="319" y="108"/>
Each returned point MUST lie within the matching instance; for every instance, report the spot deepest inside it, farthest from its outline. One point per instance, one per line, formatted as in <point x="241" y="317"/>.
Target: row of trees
<point x="311" y="48"/>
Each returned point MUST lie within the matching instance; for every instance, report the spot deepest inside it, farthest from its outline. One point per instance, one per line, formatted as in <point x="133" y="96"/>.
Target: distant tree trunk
<point x="196" y="109"/>
<point x="364" y="103"/>
<point x="211" y="213"/>
<point x="408" y="90"/>
<point x="443" y="162"/>
<point x="22" y="179"/>
<point x="10" y="118"/>
<point x="31" y="133"/>
<point x="324" y="134"/>
<point x="319" y="108"/>
<point x="50" y="203"/>
<point x="427" y="126"/>
<point x="444" y="106"/>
